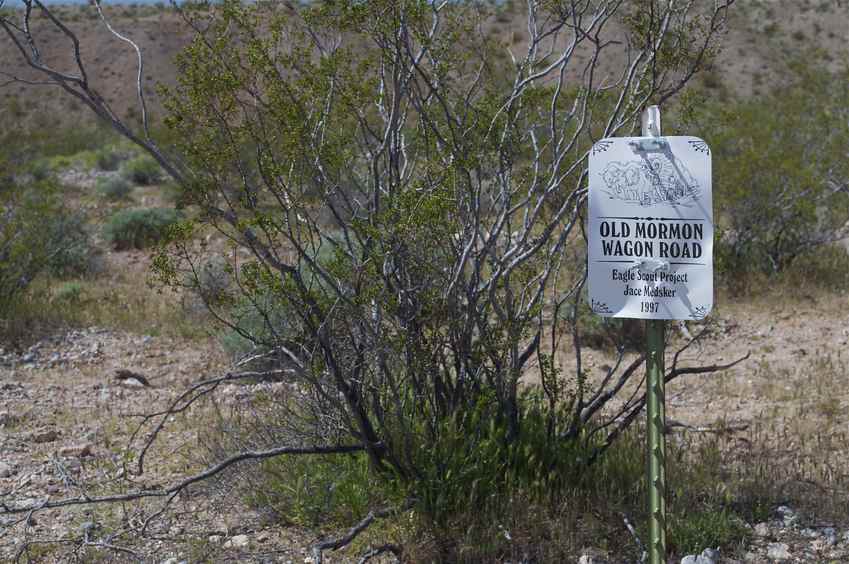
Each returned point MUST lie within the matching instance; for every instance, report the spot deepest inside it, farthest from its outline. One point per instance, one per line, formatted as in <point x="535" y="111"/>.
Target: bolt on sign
<point x="650" y="228"/>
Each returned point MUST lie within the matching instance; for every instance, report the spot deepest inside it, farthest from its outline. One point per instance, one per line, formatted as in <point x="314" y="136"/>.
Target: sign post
<point x="650" y="257"/>
<point x="655" y="405"/>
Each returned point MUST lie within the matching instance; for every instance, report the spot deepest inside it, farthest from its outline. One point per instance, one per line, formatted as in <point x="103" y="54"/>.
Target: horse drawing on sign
<point x="653" y="180"/>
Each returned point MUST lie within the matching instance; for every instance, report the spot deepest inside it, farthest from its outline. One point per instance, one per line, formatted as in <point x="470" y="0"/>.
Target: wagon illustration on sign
<point x="653" y="179"/>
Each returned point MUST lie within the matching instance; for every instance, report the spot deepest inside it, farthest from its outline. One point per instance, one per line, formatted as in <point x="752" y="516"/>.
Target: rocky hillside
<point x="762" y="39"/>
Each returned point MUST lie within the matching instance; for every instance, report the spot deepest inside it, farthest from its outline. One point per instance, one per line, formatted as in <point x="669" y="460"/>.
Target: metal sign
<point x="650" y="228"/>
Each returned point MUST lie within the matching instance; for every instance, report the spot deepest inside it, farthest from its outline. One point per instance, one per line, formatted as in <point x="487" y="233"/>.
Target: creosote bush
<point x="401" y="199"/>
<point x="142" y="170"/>
<point x="781" y="179"/>
<point x="38" y="234"/>
<point x="109" y="158"/>
<point x="406" y="198"/>
<point x="114" y="188"/>
<point x="74" y="251"/>
<point x="138" y="228"/>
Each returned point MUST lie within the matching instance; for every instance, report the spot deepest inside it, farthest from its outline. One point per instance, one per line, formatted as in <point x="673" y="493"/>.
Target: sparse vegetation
<point x="781" y="175"/>
<point x="109" y="158"/>
<point x="69" y="292"/>
<point x="138" y="228"/>
<point x="473" y="440"/>
<point x="142" y="170"/>
<point x="37" y="234"/>
<point x="114" y="188"/>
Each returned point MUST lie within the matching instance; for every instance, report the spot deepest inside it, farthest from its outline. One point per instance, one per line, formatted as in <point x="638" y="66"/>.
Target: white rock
<point x="239" y="541"/>
<point x="778" y="551"/>
<point x="585" y="559"/>
<point x="830" y="536"/>
<point x="5" y="470"/>
<point x="787" y="515"/>
<point x="708" y="556"/>
<point x="761" y="530"/>
<point x="810" y="533"/>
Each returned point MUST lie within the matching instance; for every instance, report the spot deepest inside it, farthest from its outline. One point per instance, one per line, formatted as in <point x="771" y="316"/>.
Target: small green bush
<point x="72" y="252"/>
<point x="108" y="159"/>
<point x="38" y="234"/>
<point x="40" y="170"/>
<point x="213" y="279"/>
<point x="61" y="162"/>
<point x="779" y="168"/>
<point x="142" y="170"/>
<point x="115" y="188"/>
<point x="258" y="319"/>
<point x="85" y="160"/>
<point x="138" y="228"/>
<point x="313" y="490"/>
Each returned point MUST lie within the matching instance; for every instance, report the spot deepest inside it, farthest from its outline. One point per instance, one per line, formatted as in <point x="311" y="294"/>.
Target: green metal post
<point x="656" y="409"/>
<point x="655" y="406"/>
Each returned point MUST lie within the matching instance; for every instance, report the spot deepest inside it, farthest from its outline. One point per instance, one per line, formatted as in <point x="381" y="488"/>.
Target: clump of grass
<point x="494" y="502"/>
<point x="115" y="188"/>
<point x="138" y="228"/>
<point x="69" y="292"/>
<point x="694" y="530"/>
<point x="142" y="170"/>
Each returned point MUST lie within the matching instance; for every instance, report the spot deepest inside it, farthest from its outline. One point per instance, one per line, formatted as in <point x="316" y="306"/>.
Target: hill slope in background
<point x="112" y="64"/>
<point x="762" y="38"/>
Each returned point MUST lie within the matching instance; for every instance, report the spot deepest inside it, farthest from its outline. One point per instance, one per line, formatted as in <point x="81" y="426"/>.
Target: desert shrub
<point x="114" y="188"/>
<point x="313" y="490"/>
<point x="61" y="162"/>
<point x="74" y="253"/>
<point x="258" y="320"/>
<point x="108" y="158"/>
<point x="138" y="228"/>
<point x="37" y="234"/>
<point x="214" y="279"/>
<point x="781" y="175"/>
<point x="142" y="170"/>
<point x="261" y="317"/>
<point x="85" y="160"/>
<point x="407" y="281"/>
<point x="698" y="529"/>
<point x="40" y="170"/>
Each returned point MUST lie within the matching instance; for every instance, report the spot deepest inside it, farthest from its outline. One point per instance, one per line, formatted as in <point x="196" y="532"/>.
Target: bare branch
<point x="139" y="75"/>
<point x="29" y="508"/>
<point x="354" y="532"/>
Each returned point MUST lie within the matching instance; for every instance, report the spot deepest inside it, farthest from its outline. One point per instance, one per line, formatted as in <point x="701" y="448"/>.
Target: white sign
<point x="650" y="228"/>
